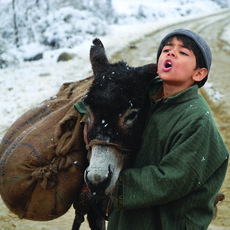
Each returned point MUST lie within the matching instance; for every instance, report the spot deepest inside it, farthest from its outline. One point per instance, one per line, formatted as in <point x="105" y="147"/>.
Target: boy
<point x="182" y="162"/>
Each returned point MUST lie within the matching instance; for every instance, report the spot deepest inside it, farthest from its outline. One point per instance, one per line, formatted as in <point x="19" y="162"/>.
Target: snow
<point x="226" y="37"/>
<point x="215" y="95"/>
<point x="26" y="84"/>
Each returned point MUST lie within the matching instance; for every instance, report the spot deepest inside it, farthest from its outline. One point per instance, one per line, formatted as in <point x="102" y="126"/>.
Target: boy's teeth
<point x="168" y="64"/>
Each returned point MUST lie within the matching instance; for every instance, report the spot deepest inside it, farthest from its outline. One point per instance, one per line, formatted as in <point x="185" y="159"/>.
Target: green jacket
<point x="178" y="171"/>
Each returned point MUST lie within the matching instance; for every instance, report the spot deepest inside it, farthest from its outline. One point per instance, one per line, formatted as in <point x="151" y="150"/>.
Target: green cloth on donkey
<point x="80" y="107"/>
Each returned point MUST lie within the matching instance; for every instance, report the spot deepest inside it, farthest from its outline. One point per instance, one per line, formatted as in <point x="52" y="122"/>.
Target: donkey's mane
<point x="118" y="86"/>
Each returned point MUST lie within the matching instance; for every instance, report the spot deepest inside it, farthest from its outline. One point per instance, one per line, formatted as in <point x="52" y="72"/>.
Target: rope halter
<point x="109" y="144"/>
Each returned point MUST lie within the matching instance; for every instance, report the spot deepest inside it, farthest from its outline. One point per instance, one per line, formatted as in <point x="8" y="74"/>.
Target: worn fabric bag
<point x="43" y="157"/>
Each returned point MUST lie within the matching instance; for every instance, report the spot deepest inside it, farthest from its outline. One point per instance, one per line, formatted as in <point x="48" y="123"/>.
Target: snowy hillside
<point x="29" y="28"/>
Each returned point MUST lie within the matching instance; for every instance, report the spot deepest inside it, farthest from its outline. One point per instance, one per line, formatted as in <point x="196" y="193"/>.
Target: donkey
<point x="115" y="105"/>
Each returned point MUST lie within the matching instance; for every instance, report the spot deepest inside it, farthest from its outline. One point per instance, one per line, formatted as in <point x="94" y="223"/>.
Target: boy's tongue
<point x="167" y="65"/>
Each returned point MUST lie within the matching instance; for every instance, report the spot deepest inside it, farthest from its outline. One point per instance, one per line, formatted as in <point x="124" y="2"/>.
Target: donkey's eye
<point x="130" y="117"/>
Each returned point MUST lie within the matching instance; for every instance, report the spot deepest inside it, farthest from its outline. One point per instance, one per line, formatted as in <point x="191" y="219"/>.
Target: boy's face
<point x="177" y="64"/>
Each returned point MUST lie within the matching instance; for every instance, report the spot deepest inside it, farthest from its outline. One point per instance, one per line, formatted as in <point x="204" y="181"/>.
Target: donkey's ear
<point x="98" y="57"/>
<point x="148" y="71"/>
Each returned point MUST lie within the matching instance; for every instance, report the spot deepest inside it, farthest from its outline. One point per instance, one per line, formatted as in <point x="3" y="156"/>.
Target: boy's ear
<point x="200" y="74"/>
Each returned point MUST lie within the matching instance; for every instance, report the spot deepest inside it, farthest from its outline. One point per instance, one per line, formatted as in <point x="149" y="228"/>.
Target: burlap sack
<point x="43" y="157"/>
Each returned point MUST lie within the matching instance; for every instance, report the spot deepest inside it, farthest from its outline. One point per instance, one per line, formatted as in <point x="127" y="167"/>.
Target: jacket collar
<point x="183" y="96"/>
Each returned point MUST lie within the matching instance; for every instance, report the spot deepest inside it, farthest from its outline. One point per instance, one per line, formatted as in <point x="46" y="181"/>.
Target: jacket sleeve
<point x="197" y="152"/>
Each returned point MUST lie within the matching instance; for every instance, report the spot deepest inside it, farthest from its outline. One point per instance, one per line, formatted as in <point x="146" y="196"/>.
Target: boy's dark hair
<point x="195" y="43"/>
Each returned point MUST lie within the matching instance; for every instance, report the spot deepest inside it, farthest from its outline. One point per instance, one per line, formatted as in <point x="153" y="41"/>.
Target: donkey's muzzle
<point x="98" y="181"/>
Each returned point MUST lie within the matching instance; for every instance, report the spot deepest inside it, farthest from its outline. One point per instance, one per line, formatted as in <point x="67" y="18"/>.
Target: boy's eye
<point x="166" y="50"/>
<point x="183" y="53"/>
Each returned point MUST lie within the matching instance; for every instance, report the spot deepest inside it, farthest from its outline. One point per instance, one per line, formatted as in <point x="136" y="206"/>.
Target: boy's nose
<point x="171" y="53"/>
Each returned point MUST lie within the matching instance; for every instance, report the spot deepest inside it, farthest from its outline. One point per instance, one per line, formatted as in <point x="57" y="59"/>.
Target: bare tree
<point x="16" y="33"/>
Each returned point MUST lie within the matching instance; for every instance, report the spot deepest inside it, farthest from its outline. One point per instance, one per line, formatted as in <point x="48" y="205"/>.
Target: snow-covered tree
<point x="53" y="24"/>
<point x="222" y="3"/>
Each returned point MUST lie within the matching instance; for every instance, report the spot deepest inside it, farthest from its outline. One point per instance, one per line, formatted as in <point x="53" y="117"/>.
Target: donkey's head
<point x="114" y="103"/>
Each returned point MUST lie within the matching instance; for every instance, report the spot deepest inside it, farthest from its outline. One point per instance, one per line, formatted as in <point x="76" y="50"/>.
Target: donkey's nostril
<point x="110" y="172"/>
<point x="97" y="183"/>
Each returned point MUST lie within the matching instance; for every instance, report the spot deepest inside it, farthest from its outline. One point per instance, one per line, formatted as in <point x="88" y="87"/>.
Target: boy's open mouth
<point x="167" y="65"/>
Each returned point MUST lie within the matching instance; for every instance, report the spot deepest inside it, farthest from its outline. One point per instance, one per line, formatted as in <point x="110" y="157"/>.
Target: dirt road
<point x="144" y="51"/>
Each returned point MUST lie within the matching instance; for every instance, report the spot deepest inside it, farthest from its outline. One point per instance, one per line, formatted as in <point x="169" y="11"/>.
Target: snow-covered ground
<point x="226" y="36"/>
<point x="28" y="83"/>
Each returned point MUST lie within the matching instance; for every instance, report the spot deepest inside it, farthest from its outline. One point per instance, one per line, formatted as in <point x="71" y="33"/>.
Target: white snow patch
<point x="215" y="96"/>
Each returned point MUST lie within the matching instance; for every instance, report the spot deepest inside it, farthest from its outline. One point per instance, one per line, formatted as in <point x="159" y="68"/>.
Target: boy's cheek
<point x="159" y="67"/>
<point x="159" y="64"/>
